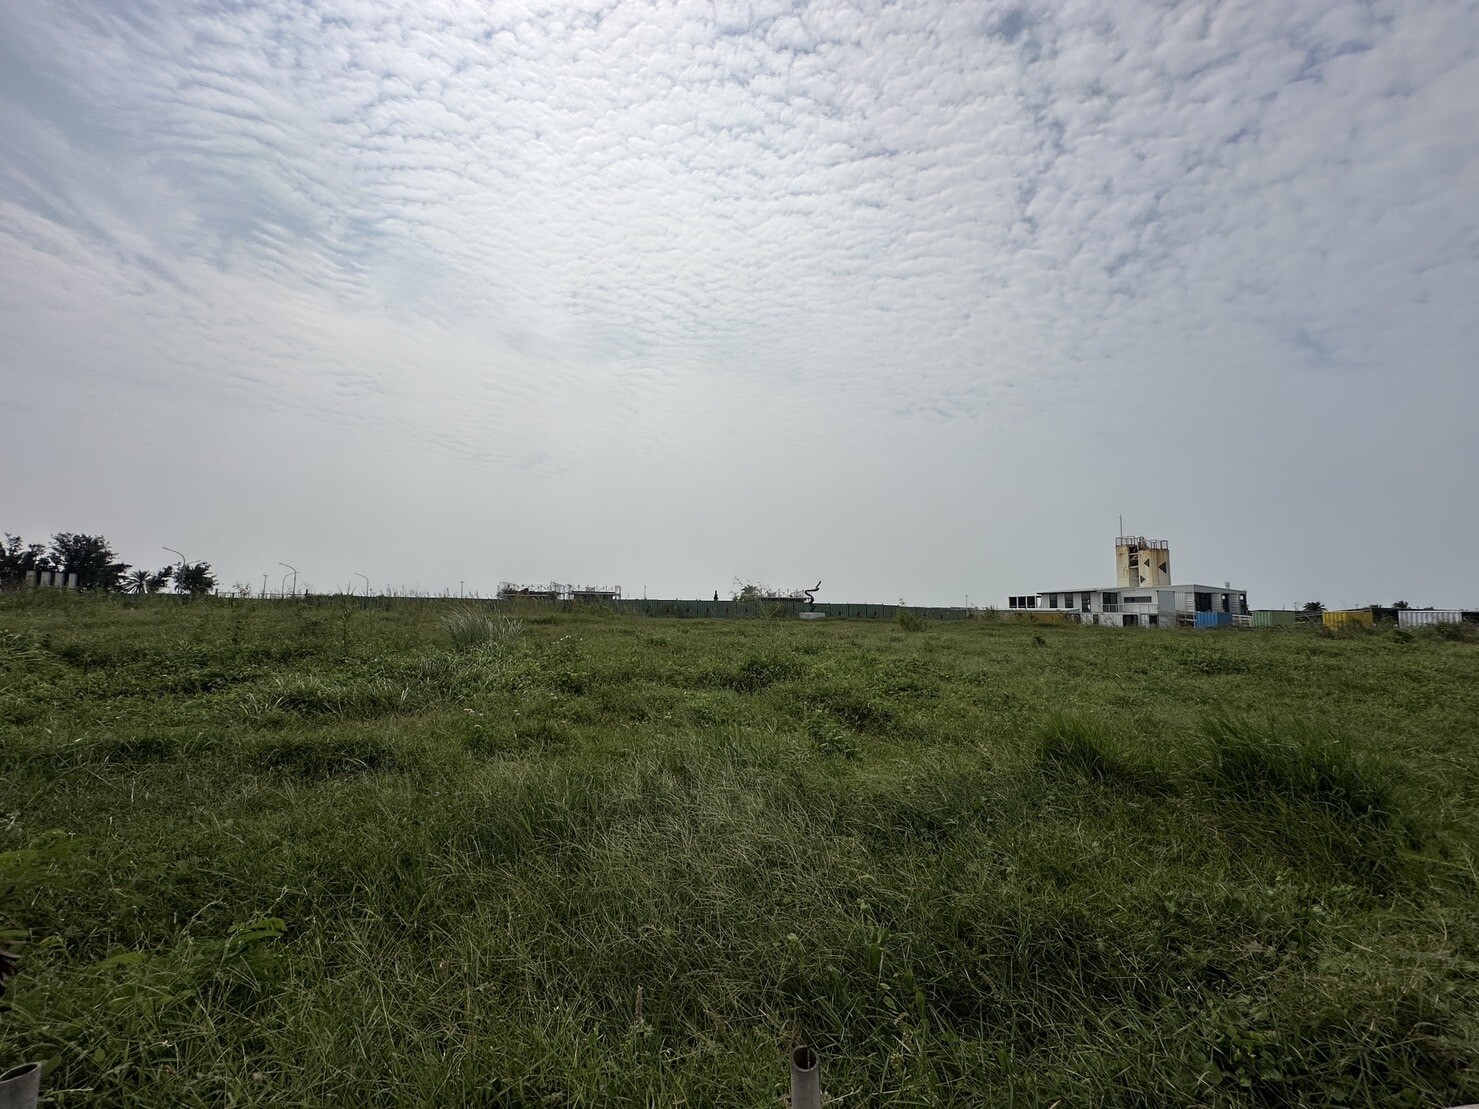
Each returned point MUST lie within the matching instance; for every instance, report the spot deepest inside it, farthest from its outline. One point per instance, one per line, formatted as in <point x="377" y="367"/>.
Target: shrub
<point x="910" y="621"/>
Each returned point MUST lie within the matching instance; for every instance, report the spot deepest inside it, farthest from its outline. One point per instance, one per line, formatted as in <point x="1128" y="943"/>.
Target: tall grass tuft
<point x="1302" y="766"/>
<point x="1070" y="747"/>
<point x="469" y="628"/>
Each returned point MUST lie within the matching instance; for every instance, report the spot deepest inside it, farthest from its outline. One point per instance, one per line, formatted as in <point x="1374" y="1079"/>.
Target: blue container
<point x="1214" y="619"/>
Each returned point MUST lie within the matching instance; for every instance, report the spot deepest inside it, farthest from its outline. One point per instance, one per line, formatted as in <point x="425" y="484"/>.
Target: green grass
<point x="291" y="854"/>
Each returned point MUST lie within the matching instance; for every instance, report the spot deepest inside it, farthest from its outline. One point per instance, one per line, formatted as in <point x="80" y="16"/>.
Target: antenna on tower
<point x="1122" y="525"/>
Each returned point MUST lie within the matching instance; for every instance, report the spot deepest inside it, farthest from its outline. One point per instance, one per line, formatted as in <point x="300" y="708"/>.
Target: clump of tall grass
<point x="468" y="628"/>
<point x="1069" y="747"/>
<point x="1302" y="766"/>
<point x="1314" y="797"/>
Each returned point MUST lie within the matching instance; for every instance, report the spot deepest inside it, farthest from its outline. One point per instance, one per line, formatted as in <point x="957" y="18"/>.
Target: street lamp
<point x="294" y="569"/>
<point x="185" y="564"/>
<point x="367" y="582"/>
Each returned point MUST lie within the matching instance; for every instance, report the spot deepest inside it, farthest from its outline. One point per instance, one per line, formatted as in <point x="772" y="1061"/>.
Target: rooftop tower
<point x="1139" y="562"/>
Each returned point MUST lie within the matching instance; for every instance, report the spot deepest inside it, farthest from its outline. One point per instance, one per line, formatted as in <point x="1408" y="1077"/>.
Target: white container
<point x="1422" y="617"/>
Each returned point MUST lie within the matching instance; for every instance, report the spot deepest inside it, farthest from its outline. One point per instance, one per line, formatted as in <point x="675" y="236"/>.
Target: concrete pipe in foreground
<point x="806" y="1079"/>
<point x="20" y="1087"/>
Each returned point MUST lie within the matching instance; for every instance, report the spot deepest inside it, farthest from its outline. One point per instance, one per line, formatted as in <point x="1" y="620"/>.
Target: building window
<point x="1137" y="600"/>
<point x="1052" y="600"/>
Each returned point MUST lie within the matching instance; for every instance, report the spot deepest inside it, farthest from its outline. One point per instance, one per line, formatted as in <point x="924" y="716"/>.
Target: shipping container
<point x="1214" y="620"/>
<point x="1274" y="617"/>
<point x="1421" y="617"/>
<point x="1349" y="618"/>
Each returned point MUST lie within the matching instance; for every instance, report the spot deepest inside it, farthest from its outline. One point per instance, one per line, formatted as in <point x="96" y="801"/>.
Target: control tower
<point x="1139" y="561"/>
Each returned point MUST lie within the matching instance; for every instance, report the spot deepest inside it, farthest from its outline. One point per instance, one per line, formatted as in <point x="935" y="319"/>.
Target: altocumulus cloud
<point x="544" y="239"/>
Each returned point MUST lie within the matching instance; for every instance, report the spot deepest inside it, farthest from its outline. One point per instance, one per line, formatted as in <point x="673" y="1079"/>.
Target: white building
<point x="1143" y="596"/>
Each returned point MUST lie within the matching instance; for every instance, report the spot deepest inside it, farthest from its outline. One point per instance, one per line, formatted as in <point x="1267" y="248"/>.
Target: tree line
<point x="97" y="566"/>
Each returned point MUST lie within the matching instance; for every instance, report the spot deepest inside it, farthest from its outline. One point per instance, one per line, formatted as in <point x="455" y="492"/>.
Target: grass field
<point x="293" y="855"/>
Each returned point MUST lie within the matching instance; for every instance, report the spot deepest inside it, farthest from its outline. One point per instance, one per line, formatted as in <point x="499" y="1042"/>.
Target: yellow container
<point x="1350" y="618"/>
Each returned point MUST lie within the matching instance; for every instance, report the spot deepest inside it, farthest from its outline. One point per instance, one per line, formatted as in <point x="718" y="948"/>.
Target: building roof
<point x="1189" y="587"/>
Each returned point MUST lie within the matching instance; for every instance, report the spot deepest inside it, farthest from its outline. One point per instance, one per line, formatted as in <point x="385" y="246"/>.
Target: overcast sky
<point x="914" y="298"/>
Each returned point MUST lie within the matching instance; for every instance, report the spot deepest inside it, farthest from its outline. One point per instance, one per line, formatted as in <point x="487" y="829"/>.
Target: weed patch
<point x="517" y="740"/>
<point x="317" y="757"/>
<point x="759" y="672"/>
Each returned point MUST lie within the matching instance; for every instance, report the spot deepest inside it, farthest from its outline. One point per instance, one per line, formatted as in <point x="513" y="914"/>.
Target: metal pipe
<point x="806" y="1079"/>
<point x="20" y="1087"/>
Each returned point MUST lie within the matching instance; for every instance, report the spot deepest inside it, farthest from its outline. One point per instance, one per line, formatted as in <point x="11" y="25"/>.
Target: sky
<point x="917" y="299"/>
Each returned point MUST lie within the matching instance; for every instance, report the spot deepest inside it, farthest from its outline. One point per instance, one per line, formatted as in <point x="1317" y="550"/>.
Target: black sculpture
<point x="811" y="600"/>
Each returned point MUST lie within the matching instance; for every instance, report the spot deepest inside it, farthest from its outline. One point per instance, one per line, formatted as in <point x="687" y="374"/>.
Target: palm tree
<point x="138" y="581"/>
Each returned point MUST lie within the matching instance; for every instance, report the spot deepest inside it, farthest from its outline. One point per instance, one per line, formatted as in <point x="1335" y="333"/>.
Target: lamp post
<point x="294" y="569"/>
<point x="367" y="582"/>
<point x="172" y="551"/>
<point x="185" y="564"/>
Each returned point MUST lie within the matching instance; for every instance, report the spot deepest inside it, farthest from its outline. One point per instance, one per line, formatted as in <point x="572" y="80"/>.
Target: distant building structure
<point x="595" y="594"/>
<point x="1143" y="595"/>
<point x="556" y="591"/>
